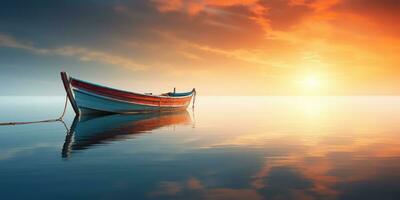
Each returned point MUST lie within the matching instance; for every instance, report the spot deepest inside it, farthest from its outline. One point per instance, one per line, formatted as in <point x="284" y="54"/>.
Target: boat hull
<point x="90" y="103"/>
<point x="88" y="98"/>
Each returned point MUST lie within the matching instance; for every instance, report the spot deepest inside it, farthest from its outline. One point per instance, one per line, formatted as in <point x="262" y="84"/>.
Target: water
<point x="229" y="148"/>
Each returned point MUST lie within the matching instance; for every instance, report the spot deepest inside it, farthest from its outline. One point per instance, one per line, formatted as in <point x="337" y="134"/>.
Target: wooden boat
<point x="87" y="97"/>
<point x="88" y="131"/>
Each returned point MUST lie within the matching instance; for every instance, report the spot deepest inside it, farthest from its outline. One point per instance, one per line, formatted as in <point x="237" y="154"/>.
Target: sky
<point x="219" y="47"/>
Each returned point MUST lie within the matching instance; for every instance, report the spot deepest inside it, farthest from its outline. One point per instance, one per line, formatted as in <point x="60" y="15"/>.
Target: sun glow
<point x="311" y="83"/>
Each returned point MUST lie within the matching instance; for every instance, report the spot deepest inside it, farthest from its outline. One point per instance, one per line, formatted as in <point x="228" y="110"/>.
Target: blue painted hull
<point x="88" y="102"/>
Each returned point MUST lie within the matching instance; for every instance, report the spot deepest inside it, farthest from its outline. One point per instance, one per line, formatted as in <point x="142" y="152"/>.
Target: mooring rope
<point x="40" y="121"/>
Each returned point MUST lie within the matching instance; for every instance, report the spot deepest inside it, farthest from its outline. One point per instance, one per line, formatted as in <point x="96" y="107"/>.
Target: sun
<point x="311" y="82"/>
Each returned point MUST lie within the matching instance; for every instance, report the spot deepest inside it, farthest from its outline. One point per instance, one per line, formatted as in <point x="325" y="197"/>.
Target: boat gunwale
<point x="129" y="92"/>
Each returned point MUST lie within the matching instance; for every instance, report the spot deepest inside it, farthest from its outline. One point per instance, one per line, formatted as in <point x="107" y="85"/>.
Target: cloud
<point x="271" y="14"/>
<point x="193" y="7"/>
<point x="384" y="13"/>
<point x="83" y="54"/>
<point x="168" y="6"/>
<point x="11" y="42"/>
<point x="283" y="15"/>
<point x="233" y="15"/>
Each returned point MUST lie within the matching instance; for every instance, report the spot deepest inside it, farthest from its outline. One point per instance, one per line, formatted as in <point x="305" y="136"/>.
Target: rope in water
<point x="40" y="121"/>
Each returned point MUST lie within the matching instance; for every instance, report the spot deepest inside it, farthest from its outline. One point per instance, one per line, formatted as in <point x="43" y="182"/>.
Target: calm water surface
<point x="229" y="148"/>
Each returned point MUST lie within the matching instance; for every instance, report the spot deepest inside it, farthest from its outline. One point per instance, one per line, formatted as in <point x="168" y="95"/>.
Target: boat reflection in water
<point x="87" y="131"/>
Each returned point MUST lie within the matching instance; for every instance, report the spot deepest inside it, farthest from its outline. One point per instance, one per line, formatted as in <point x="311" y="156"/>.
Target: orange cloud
<point x="193" y="7"/>
<point x="168" y="6"/>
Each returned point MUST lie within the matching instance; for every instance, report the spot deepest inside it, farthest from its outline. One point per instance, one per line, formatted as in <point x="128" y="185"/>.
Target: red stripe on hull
<point x="131" y="97"/>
